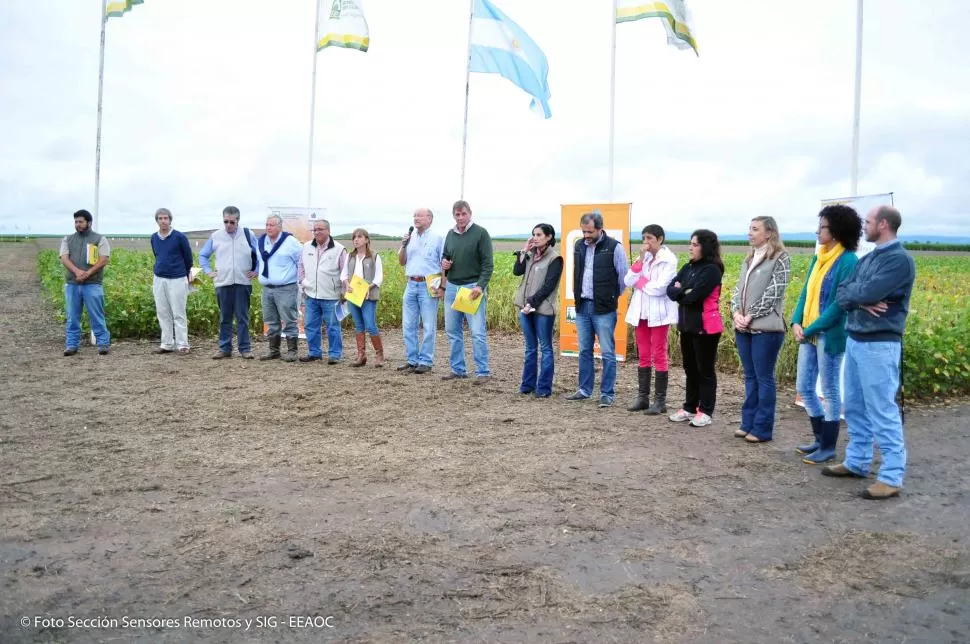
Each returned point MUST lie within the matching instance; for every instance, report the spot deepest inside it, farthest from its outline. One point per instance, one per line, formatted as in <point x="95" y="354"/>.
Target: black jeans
<point x="699" y="352"/>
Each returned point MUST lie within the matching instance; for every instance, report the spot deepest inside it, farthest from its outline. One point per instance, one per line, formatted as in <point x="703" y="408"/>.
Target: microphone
<point x="410" y="230"/>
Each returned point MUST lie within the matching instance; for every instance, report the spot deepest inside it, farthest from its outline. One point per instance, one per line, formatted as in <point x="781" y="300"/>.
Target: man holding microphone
<point x="420" y="255"/>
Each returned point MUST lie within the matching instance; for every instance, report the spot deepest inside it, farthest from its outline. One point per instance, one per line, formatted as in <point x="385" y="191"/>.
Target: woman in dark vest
<point x="759" y="326"/>
<point x="697" y="291"/>
<point x="540" y="266"/>
<point x="365" y="263"/>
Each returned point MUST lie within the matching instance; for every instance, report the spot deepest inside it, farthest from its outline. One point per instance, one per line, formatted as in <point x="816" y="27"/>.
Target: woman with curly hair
<point x="818" y="325"/>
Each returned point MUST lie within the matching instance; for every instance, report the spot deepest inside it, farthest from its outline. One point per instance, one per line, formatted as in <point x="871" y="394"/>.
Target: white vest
<point x="321" y="270"/>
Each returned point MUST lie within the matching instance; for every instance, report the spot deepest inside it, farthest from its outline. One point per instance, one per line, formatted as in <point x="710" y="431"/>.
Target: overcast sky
<point x="207" y="104"/>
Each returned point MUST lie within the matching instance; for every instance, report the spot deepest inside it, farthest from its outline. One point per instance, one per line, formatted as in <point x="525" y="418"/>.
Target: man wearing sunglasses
<point x="236" y="262"/>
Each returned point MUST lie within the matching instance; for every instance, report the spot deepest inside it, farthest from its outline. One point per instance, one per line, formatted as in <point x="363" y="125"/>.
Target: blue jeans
<point x="234" y="303"/>
<point x="419" y="305"/>
<point x="871" y="413"/>
<point x="365" y="317"/>
<point x="813" y="362"/>
<point x="759" y="355"/>
<point x="456" y="334"/>
<point x="537" y="330"/>
<point x="90" y="297"/>
<point x="602" y="325"/>
<point x="316" y="315"/>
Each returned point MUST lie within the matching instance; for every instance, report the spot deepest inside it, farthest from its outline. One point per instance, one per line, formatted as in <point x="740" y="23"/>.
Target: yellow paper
<point x="464" y="303"/>
<point x="432" y="282"/>
<point x="93" y="255"/>
<point x="357" y="292"/>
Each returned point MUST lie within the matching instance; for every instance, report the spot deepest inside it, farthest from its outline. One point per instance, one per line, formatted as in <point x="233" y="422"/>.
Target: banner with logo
<point x="298" y="221"/>
<point x="616" y="223"/>
<point x="862" y="205"/>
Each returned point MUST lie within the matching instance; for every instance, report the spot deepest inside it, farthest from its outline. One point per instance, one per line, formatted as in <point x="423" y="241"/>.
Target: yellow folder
<point x="464" y="303"/>
<point x="357" y="290"/>
<point x="432" y="282"/>
<point x="93" y="255"/>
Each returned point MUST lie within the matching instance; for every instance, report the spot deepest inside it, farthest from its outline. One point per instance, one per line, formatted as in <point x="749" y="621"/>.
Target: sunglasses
<point x="228" y="221"/>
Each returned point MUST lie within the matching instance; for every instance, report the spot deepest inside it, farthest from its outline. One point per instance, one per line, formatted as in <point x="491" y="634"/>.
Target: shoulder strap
<point x="252" y="253"/>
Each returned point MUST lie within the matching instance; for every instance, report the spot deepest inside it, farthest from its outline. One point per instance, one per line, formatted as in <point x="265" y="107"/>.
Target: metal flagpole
<point x="97" y="148"/>
<point x="468" y="75"/>
<point x="854" y="187"/>
<point x="313" y="109"/>
<point x="612" y="97"/>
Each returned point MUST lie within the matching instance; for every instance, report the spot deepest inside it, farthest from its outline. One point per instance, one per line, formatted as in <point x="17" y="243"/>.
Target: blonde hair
<point x="775" y="245"/>
<point x="360" y="231"/>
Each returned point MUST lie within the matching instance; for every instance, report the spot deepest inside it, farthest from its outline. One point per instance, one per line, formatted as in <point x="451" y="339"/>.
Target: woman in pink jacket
<point x="652" y="313"/>
<point x="697" y="289"/>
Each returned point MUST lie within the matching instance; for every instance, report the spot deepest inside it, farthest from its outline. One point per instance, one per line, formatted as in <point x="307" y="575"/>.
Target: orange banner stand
<point x="616" y="223"/>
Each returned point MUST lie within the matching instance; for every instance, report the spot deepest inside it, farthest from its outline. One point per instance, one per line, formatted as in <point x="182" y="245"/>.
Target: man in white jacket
<point x="651" y="312"/>
<point x="235" y="270"/>
<point x="321" y="262"/>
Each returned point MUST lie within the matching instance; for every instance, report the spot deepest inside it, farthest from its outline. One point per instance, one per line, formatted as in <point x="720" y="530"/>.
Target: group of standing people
<point x="849" y="309"/>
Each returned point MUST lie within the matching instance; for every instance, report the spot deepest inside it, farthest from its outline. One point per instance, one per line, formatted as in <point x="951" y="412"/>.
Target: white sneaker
<point x="701" y="420"/>
<point x="680" y="416"/>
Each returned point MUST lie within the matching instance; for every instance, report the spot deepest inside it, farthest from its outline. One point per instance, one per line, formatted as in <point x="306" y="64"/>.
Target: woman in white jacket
<point x="652" y="313"/>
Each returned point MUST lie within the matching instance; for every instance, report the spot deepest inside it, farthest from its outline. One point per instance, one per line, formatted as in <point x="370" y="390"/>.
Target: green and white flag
<point x="118" y="8"/>
<point x="674" y="13"/>
<point x="342" y="24"/>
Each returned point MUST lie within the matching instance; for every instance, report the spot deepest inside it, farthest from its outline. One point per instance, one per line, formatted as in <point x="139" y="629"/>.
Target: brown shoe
<point x="840" y="470"/>
<point x="361" y="347"/>
<point x="378" y="351"/>
<point x="879" y="491"/>
<point x="219" y="355"/>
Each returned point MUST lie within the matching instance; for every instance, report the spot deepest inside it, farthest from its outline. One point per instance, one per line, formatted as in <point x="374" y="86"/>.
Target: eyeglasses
<point x="228" y="221"/>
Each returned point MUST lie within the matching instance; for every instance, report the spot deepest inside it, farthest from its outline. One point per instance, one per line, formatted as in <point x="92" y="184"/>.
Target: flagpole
<point x="313" y="110"/>
<point x="468" y="76"/>
<point x="857" y="110"/>
<point x="612" y="97"/>
<point x="97" y="145"/>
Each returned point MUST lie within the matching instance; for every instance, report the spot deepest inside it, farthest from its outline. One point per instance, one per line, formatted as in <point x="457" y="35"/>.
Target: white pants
<point x="170" y="297"/>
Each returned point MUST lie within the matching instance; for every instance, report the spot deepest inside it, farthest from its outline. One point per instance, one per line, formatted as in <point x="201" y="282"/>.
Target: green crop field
<point x="935" y="346"/>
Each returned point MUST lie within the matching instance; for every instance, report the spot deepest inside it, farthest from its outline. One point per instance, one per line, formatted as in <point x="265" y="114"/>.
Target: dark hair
<point x="84" y="214"/>
<point x="655" y="230"/>
<point x="710" y="246"/>
<point x="592" y="218"/>
<point x="232" y="211"/>
<point x="458" y="205"/>
<point x="845" y="226"/>
<point x="547" y="230"/>
<point x="891" y="216"/>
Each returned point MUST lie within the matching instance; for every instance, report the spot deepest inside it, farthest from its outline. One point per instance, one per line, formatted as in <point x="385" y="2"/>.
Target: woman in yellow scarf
<point x="818" y="324"/>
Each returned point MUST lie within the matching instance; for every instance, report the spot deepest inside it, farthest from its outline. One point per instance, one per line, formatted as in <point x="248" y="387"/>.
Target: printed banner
<point x="616" y="223"/>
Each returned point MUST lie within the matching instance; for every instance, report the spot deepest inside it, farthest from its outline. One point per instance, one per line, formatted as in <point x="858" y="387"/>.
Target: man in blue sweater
<point x="170" y="285"/>
<point x="876" y="297"/>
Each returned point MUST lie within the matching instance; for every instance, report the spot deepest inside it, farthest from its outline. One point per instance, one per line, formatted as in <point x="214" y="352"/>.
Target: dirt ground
<point x="316" y="503"/>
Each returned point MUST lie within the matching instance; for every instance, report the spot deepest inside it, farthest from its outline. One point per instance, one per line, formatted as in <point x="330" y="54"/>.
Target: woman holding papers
<point x="362" y="276"/>
<point x="540" y="266"/>
<point x="651" y="313"/>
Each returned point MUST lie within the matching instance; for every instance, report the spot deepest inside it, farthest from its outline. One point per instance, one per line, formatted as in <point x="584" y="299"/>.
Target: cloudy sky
<point x="206" y="103"/>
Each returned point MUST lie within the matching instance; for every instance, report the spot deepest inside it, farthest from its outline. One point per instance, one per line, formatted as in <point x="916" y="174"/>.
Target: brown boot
<point x="378" y="351"/>
<point x="880" y="491"/>
<point x="361" y="357"/>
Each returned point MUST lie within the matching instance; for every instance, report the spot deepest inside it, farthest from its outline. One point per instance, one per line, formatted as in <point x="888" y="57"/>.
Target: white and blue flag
<point x="499" y="46"/>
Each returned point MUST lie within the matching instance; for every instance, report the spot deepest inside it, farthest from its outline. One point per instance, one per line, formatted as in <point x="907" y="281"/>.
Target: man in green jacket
<point x="466" y="261"/>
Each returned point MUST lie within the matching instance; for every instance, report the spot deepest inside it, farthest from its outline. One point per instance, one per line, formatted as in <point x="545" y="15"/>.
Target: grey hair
<point x="279" y="220"/>
<point x="891" y="216"/>
<point x="163" y="211"/>
<point x="232" y="211"/>
<point x="322" y="221"/>
<point x="592" y="217"/>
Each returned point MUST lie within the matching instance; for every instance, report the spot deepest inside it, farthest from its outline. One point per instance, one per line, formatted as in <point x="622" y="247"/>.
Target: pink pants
<point x="652" y="345"/>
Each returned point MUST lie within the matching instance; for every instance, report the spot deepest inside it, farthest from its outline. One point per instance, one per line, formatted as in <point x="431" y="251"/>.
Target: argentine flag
<point x="499" y="46"/>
